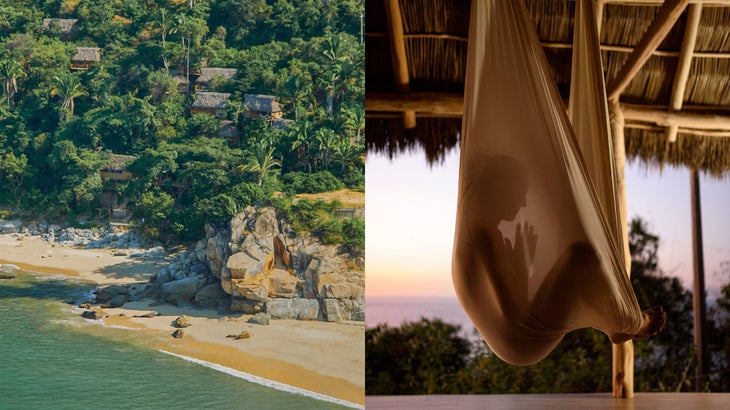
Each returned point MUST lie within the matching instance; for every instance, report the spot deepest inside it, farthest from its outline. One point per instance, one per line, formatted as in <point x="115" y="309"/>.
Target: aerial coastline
<point x="324" y="358"/>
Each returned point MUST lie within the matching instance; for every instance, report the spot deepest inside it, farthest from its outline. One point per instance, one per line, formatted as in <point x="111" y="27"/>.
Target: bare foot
<point x="654" y="320"/>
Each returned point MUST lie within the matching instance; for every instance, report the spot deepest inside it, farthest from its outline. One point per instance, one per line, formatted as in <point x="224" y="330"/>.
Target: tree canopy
<point x="63" y="122"/>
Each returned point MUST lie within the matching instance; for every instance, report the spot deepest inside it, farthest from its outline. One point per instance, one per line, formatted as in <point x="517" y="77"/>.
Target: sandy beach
<point x="326" y="358"/>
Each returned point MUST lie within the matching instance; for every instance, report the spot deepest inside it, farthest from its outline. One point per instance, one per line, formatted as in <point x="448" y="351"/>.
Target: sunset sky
<point x="410" y="214"/>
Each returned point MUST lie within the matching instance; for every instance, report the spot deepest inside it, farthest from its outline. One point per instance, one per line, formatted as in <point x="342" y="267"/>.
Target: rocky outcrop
<point x="254" y="266"/>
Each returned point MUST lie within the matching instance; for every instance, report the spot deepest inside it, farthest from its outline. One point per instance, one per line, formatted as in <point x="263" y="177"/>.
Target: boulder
<point x="250" y="273"/>
<point x="260" y="319"/>
<point x="116" y="301"/>
<point x="148" y="315"/>
<point x="110" y="292"/>
<point x="338" y="310"/>
<point x="178" y="334"/>
<point x="295" y="308"/>
<point x="247" y="306"/>
<point x="94" y="314"/>
<point x="182" y="291"/>
<point x="341" y="285"/>
<point x="181" y="321"/>
<point x="266" y="225"/>
<point x="283" y="284"/>
<point x="243" y="335"/>
<point x="3" y="276"/>
<point x="209" y="295"/>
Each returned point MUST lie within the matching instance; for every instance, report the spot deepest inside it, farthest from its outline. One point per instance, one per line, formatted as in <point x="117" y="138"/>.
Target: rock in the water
<point x="94" y="314"/>
<point x="260" y="319"/>
<point x="178" y="334"/>
<point x="182" y="321"/>
<point x="116" y="302"/>
<point x="2" y="276"/>
<point x="86" y="305"/>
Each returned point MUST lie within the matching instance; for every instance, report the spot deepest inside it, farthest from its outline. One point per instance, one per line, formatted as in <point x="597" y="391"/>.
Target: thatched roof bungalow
<point x="262" y="106"/>
<point x="676" y="105"/>
<point x="209" y="73"/>
<point x="211" y="103"/>
<point x="85" y="57"/>
<point x="117" y="168"/>
<point x="67" y="27"/>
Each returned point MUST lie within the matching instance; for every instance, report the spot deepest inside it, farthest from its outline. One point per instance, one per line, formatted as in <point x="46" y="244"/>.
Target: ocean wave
<point x="266" y="382"/>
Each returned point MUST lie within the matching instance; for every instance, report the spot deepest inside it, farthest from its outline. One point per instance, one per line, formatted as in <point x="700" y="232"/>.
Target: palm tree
<point x="301" y="133"/>
<point x="164" y="24"/>
<point x="354" y="120"/>
<point x="10" y="71"/>
<point x="67" y="87"/>
<point x="326" y="140"/>
<point x="347" y="153"/>
<point x="260" y="161"/>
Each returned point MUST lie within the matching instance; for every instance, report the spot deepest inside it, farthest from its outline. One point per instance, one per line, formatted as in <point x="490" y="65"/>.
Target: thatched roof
<point x="119" y="162"/>
<point x="68" y="27"/>
<point x="261" y="103"/>
<point x="86" y="55"/>
<point x="435" y="37"/>
<point x="207" y="74"/>
<point x="211" y="100"/>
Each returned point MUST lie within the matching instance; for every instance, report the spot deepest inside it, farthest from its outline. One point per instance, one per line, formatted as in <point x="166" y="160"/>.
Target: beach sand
<point x="326" y="358"/>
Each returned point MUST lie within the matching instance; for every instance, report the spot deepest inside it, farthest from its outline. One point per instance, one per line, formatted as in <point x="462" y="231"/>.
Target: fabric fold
<point x="537" y="250"/>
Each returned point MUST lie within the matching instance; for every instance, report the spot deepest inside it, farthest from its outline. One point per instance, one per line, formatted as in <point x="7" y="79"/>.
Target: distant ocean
<point x="395" y="310"/>
<point x="51" y="358"/>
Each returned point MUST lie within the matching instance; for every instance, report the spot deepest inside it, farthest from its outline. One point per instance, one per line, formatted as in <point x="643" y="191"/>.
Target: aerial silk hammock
<point x="538" y="248"/>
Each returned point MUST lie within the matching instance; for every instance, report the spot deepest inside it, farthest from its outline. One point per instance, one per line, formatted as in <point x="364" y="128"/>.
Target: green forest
<point x="432" y="357"/>
<point x="145" y="88"/>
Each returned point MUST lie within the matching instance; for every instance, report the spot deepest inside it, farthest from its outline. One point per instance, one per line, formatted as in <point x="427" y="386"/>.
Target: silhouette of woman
<point x="494" y="276"/>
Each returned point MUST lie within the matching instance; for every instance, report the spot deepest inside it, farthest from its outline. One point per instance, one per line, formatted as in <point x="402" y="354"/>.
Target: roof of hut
<point x="67" y="26"/>
<point x="207" y="73"/>
<point x="261" y="103"/>
<point x="119" y="162"/>
<point x="434" y="36"/>
<point x="210" y="100"/>
<point x="86" y="54"/>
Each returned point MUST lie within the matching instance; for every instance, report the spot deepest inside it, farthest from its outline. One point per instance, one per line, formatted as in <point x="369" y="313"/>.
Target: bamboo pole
<point x="698" y="294"/>
<point x="668" y="14"/>
<point x="623" y="353"/>
<point x="398" y="54"/>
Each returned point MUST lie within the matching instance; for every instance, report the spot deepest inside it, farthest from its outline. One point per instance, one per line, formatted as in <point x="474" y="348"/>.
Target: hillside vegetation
<point x="128" y="128"/>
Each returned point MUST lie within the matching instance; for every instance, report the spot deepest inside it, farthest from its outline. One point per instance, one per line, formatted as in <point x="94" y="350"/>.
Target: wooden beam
<point x="680" y="119"/>
<point x="685" y="62"/>
<point x="685" y="57"/>
<point x="668" y="14"/>
<point x="398" y="54"/>
<point x="437" y="103"/>
<point x="689" y="131"/>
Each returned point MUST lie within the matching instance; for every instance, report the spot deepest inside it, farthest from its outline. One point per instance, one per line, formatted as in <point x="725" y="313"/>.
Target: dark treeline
<point x="61" y="125"/>
<point x="429" y="357"/>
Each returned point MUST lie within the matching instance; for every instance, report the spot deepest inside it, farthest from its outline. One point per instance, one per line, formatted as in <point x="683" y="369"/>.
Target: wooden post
<point x="623" y="354"/>
<point x="398" y="54"/>
<point x="698" y="294"/>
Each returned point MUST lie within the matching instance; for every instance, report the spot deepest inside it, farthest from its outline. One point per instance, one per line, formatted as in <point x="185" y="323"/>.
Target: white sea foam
<point x="265" y="382"/>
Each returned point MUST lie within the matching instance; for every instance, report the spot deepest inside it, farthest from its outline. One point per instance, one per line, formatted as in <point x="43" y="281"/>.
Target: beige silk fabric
<point x="538" y="249"/>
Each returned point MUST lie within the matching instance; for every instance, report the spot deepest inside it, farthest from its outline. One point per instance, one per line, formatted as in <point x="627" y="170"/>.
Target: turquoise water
<point x="49" y="360"/>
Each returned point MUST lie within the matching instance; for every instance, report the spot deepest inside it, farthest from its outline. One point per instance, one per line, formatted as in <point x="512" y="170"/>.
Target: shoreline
<point x="324" y="358"/>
